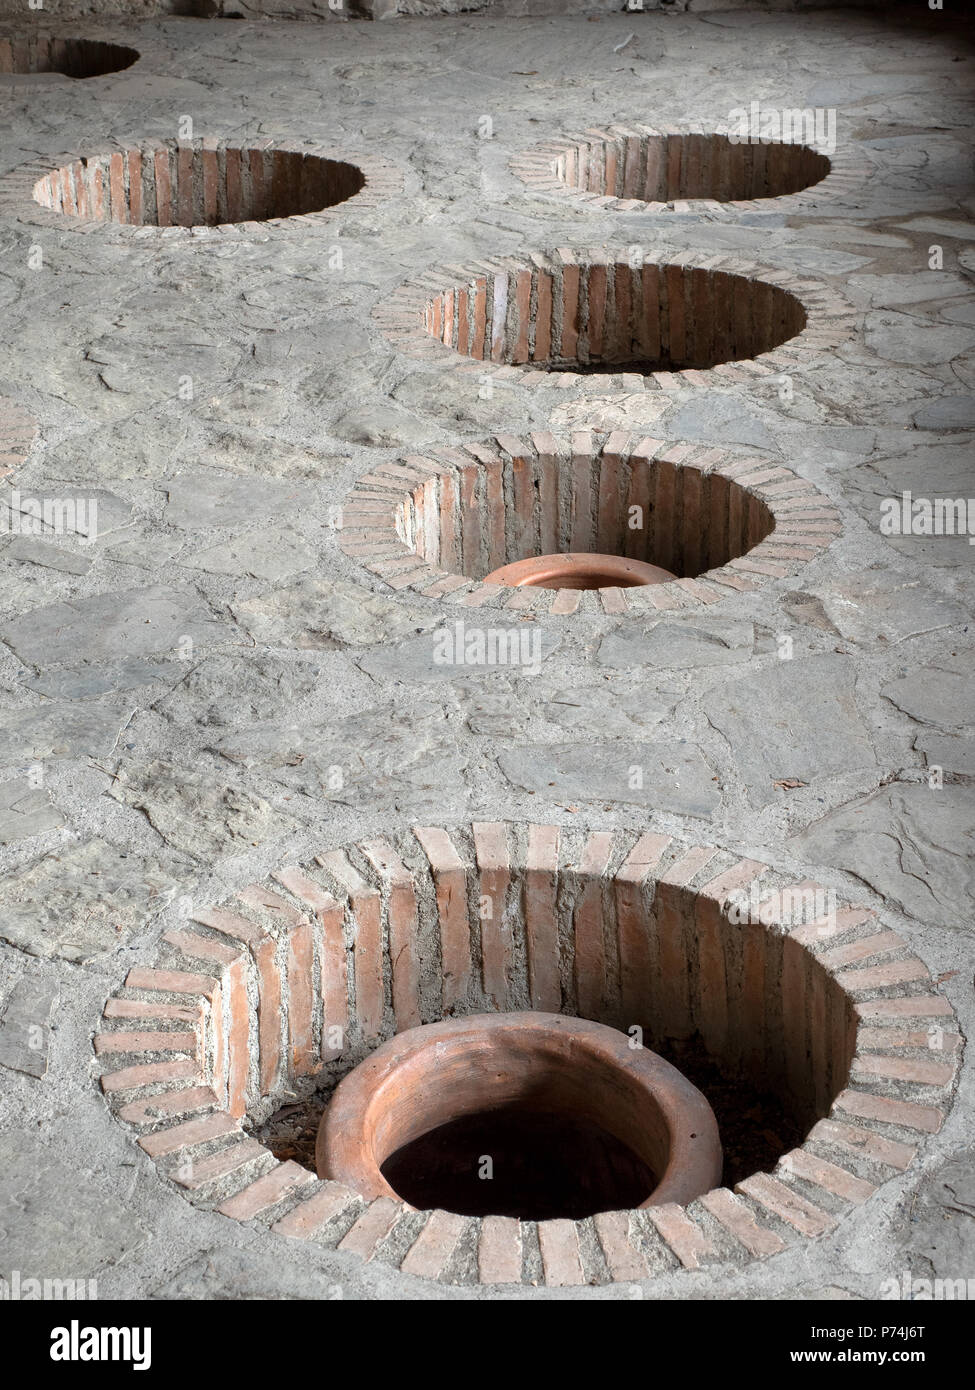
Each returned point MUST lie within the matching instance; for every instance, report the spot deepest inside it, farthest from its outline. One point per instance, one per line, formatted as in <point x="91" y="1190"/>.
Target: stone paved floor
<point x="140" y="772"/>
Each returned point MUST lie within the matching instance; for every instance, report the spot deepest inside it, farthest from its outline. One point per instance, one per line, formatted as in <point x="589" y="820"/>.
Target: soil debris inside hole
<point x="290" y="1133"/>
<point x="756" y="1128"/>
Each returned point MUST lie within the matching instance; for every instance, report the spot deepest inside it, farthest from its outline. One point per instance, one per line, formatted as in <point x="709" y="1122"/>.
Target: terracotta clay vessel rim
<point x="344" y="1150"/>
<point x="576" y="569"/>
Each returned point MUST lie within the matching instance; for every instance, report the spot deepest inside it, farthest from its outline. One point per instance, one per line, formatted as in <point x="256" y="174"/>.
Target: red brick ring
<point x="288" y="986"/>
<point x="692" y="169"/>
<point x="18" y="430"/>
<point x="605" y="320"/>
<point x="195" y="188"/>
<point x="440" y="524"/>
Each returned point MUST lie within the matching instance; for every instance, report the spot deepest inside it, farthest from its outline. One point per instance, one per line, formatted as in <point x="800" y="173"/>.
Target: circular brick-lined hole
<point x="570" y="1117"/>
<point x="662" y="168"/>
<point x="601" y="317"/>
<point x="481" y="523"/>
<point x="283" y="991"/>
<point x="640" y="168"/>
<point x="189" y="185"/>
<point x="649" y="166"/>
<point x="77" y="58"/>
<point x="633" y="324"/>
<point x="204" y="187"/>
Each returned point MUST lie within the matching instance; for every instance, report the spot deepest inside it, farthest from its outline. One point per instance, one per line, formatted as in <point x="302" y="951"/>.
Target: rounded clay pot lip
<point x="579" y="570"/>
<point x="343" y="1152"/>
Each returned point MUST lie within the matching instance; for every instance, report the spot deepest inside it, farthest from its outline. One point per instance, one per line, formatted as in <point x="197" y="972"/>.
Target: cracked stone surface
<point x="271" y="554"/>
<point x="192" y="812"/>
<point x="941" y="1219"/>
<point x="939" y="694"/>
<point x="78" y="902"/>
<point x="54" y="730"/>
<point x="25" y="814"/>
<point x="799" y="719"/>
<point x="323" y="613"/>
<point x="417" y="658"/>
<point x="25" y="1026"/>
<point x="881" y="606"/>
<point x="914" y="840"/>
<point x="201" y="687"/>
<point x="670" y="776"/>
<point x="679" y="644"/>
<point x="198" y="501"/>
<point x="92" y="1230"/>
<point x="136" y="622"/>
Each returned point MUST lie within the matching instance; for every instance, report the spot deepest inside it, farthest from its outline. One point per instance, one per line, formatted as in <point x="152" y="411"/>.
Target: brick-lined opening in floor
<point x="605" y="501"/>
<point x="78" y="58"/>
<point x="746" y="1012"/>
<point x="280" y="996"/>
<point x="198" y="184"/>
<point x="738" y="1004"/>
<point x="599" y="317"/>
<point x="663" y="168"/>
<point x="747" y="1015"/>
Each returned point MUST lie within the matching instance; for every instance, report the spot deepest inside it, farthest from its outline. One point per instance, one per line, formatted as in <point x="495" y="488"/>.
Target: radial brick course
<point x="271" y="975"/>
<point x="439" y="524"/>
<point x="639" y="168"/>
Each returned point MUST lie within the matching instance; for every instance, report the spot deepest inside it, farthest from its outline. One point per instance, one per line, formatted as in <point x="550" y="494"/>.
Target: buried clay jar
<point x="563" y="1115"/>
<point x="579" y="571"/>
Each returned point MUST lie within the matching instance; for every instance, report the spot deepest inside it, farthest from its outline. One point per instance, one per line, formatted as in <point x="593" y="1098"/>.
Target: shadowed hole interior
<point x="483" y="516"/>
<point x="756" y="1127"/>
<point x="542" y="1166"/>
<point x="78" y="58"/>
<point x="664" y="168"/>
<point x="606" y="317"/>
<point x="187" y="185"/>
